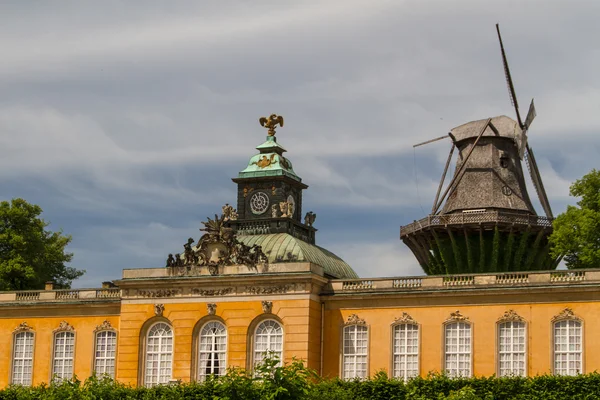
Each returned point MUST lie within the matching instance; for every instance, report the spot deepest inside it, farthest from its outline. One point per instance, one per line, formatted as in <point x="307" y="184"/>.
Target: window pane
<point x="104" y="358"/>
<point x="457" y="349"/>
<point x="355" y="349"/>
<point x="511" y="349"/>
<point x="64" y="348"/>
<point x="159" y="355"/>
<point x="212" y="350"/>
<point x="268" y="338"/>
<point x="405" y="351"/>
<point x="567" y="347"/>
<point x="22" y="358"/>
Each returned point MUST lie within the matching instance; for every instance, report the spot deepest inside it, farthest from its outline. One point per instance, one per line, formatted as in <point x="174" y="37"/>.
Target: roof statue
<point x="271" y="122"/>
<point x="484" y="221"/>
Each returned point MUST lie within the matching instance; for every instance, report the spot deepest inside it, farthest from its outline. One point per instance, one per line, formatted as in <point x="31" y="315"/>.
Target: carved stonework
<point x="567" y="313"/>
<point x="229" y="213"/>
<point x="279" y="289"/>
<point x="212" y="292"/>
<point x="104" y="326"/>
<point x="217" y="247"/>
<point x="158" y="293"/>
<point x="267" y="306"/>
<point x="159" y="309"/>
<point x="64" y="326"/>
<point x="354" y="319"/>
<point x="405" y="318"/>
<point x="23" y="327"/>
<point x="511" y="316"/>
<point x="309" y="218"/>
<point x="457" y="317"/>
<point x="211" y="308"/>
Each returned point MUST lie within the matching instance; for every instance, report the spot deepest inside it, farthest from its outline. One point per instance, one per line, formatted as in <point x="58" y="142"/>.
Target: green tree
<point x="29" y="254"/>
<point x="576" y="233"/>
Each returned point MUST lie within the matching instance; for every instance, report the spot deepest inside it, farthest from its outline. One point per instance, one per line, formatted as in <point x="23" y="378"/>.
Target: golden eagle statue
<point x="271" y="122"/>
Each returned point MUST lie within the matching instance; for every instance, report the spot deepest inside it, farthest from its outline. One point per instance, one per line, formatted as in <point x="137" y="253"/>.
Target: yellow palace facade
<point x="257" y="281"/>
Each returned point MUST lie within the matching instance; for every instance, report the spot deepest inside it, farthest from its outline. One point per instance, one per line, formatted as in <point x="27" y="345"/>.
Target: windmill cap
<point x="506" y="127"/>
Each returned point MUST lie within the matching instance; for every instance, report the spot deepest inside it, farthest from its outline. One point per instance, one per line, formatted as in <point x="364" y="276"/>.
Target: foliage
<point x="576" y="234"/>
<point x="29" y="254"/>
<point x="295" y="381"/>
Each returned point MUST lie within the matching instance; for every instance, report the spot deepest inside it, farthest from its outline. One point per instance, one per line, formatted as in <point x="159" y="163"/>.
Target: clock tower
<point x="270" y="193"/>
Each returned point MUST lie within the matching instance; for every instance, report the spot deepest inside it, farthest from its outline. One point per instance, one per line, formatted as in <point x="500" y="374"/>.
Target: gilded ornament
<point x="271" y="122"/>
<point x="229" y="213"/>
<point x="265" y="162"/>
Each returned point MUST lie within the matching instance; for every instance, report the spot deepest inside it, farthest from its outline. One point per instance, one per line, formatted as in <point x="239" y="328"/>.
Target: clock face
<point x="290" y="200"/>
<point x="259" y="203"/>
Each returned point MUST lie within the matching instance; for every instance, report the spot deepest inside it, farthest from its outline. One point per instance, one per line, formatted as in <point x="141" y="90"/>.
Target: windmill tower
<point x="484" y="221"/>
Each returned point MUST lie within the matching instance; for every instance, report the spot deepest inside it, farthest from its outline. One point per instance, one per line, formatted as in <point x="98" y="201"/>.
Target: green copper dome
<point x="282" y="247"/>
<point x="269" y="162"/>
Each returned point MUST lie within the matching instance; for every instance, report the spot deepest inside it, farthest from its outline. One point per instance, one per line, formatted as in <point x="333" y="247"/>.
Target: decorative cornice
<point x="64" y="326"/>
<point x="23" y="327"/>
<point x="457" y="317"/>
<point x="158" y="293"/>
<point x="267" y="306"/>
<point x="212" y="292"/>
<point x="354" y="319"/>
<point x="104" y="326"/>
<point x="211" y="308"/>
<point x="511" y="316"/>
<point x="159" y="309"/>
<point x="405" y="318"/>
<point x="566" y="314"/>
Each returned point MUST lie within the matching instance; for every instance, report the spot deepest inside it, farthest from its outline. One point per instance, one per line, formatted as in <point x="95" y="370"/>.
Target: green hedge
<point x="295" y="381"/>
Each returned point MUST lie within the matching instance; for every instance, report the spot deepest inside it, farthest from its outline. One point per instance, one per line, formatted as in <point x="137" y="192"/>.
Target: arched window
<point x="511" y="348"/>
<point x="457" y="349"/>
<point x="63" y="355"/>
<point x="105" y="352"/>
<point x="212" y="350"/>
<point x="159" y="354"/>
<point x="405" y="350"/>
<point x="355" y="348"/>
<point x="268" y="337"/>
<point x="22" y="359"/>
<point x="568" y="351"/>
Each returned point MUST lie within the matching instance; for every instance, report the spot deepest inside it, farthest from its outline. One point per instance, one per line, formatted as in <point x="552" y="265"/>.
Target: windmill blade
<point x="537" y="182"/>
<point x="511" y="88"/>
<point x="531" y="114"/>
<point x="430" y="141"/>
<point x="522" y="143"/>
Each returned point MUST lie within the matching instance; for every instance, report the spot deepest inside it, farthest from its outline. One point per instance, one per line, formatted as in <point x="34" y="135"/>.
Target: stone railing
<point x="466" y="218"/>
<point x="32" y="296"/>
<point x="467" y="281"/>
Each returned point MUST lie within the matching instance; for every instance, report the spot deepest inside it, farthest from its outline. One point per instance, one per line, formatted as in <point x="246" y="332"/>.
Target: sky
<point x="126" y="120"/>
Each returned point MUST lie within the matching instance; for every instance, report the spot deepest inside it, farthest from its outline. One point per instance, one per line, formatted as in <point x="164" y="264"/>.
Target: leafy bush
<point x="295" y="381"/>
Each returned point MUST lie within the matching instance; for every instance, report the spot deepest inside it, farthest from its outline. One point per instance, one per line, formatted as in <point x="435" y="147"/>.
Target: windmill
<point x="484" y="220"/>
<point x="525" y="150"/>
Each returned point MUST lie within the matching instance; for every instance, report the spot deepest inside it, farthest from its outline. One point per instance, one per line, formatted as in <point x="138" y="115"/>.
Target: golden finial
<point x="271" y="122"/>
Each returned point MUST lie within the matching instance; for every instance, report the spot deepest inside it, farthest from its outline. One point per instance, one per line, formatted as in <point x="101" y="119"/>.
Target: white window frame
<point x="105" y="358"/>
<point x="512" y="356"/>
<point x="271" y="339"/>
<point x="571" y="324"/>
<point x="207" y="336"/>
<point x="401" y="355"/>
<point x="164" y="355"/>
<point x="21" y="364"/>
<point x="464" y="356"/>
<point x="359" y="354"/>
<point x="60" y="368"/>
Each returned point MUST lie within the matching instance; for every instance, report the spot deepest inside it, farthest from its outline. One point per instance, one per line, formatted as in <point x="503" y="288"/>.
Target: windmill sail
<point x="537" y="182"/>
